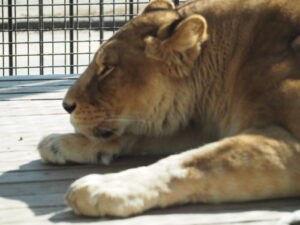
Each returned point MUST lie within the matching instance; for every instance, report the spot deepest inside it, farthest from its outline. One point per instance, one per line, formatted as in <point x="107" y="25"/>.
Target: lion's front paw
<point x="65" y="148"/>
<point x="51" y="149"/>
<point x="100" y="195"/>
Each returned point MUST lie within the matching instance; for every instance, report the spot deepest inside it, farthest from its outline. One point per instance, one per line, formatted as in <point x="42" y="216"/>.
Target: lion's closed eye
<point x="106" y="70"/>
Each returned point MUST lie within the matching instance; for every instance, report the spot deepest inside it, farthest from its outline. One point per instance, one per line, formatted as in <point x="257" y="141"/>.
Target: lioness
<point x="223" y="75"/>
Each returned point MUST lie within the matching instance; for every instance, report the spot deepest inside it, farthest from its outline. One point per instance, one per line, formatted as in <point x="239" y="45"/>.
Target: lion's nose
<point x="69" y="107"/>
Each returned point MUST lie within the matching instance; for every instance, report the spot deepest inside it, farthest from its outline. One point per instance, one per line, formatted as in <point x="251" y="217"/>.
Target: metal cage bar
<point x="71" y="30"/>
<point x="10" y="36"/>
<point x="58" y="37"/>
<point x="41" y="36"/>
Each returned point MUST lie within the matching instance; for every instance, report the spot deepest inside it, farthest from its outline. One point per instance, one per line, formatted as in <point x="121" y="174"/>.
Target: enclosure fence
<point x="40" y="37"/>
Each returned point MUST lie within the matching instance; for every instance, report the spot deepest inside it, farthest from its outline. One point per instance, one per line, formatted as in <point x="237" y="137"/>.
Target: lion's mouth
<point x="104" y="133"/>
<point x="103" y="130"/>
<point x="96" y="132"/>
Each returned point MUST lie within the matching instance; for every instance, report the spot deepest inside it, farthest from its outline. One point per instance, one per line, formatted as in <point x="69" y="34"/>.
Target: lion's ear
<point x="159" y="4"/>
<point x="188" y="34"/>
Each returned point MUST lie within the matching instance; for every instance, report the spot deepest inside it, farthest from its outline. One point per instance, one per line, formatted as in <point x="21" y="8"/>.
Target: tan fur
<point x="212" y="71"/>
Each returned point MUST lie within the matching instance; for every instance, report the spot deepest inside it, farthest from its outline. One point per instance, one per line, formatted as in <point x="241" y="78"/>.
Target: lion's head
<point x="135" y="81"/>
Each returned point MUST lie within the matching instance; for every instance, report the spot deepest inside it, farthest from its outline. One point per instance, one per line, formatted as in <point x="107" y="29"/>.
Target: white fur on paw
<point x="96" y="195"/>
<point x="125" y="193"/>
<point x="50" y="149"/>
<point x="291" y="218"/>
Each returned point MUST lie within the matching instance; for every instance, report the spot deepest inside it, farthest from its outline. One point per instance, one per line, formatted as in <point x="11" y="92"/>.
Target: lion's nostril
<point x="69" y="107"/>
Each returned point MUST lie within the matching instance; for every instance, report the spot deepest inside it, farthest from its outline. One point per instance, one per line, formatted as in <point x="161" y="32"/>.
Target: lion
<point x="214" y="84"/>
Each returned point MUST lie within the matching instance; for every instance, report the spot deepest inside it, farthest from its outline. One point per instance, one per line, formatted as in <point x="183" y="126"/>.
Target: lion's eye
<point x="105" y="71"/>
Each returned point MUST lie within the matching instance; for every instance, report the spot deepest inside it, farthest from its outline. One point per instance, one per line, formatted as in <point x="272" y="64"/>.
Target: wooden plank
<point x="9" y="113"/>
<point x="43" y="104"/>
<point x="51" y="112"/>
<point x="39" y="165"/>
<point x="32" y="96"/>
<point x="33" y="108"/>
<point x="37" y="112"/>
<point x="47" y="199"/>
<point x="17" y="156"/>
<point x="30" y="130"/>
<point x="66" y="172"/>
<point x="19" y="147"/>
<point x="39" y="77"/>
<point x="30" y="104"/>
<point x="265" y="222"/>
<point x="38" y="215"/>
<point x="154" y="221"/>
<point x="37" y="188"/>
<point x="32" y="89"/>
<point x="29" y="83"/>
<point x="24" y="201"/>
<point x="13" y="141"/>
<point x="30" y="156"/>
<point x="51" y="175"/>
<point x="70" y="172"/>
<point x="20" y="131"/>
<point x="24" y="165"/>
<point x="184" y="215"/>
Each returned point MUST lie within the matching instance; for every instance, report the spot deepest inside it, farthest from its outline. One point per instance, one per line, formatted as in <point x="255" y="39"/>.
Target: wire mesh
<point x="58" y="36"/>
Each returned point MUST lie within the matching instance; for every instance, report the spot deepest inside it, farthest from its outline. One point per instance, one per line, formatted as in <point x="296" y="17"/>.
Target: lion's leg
<point x="63" y="148"/>
<point x="255" y="165"/>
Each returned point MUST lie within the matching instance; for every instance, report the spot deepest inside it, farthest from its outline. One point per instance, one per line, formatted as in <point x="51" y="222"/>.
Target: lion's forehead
<point x="145" y="24"/>
<point x="131" y="36"/>
<point x="108" y="53"/>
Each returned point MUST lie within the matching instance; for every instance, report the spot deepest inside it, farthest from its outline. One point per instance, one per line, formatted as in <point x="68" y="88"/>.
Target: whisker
<point x="124" y="119"/>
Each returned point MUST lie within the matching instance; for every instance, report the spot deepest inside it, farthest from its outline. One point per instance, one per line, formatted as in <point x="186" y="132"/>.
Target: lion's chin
<point x="82" y="129"/>
<point x="85" y="133"/>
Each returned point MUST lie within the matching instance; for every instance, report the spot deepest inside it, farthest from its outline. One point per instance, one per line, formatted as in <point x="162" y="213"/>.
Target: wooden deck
<point x="31" y="193"/>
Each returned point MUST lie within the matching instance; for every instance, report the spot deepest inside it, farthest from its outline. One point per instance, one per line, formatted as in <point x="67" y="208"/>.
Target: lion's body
<point x="225" y="72"/>
<point x="250" y="63"/>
